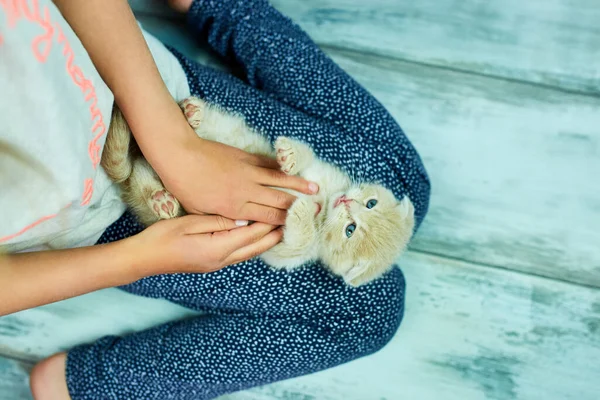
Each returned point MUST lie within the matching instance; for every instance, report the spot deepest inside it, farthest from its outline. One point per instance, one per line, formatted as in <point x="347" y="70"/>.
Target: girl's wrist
<point x="141" y="258"/>
<point x="166" y="145"/>
<point x="151" y="252"/>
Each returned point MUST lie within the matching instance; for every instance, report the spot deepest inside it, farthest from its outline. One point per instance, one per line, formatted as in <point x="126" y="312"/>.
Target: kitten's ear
<point x="406" y="208"/>
<point x="350" y="277"/>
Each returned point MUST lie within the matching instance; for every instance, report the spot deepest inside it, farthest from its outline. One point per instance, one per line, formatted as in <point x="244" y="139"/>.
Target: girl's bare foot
<point x="48" y="379"/>
<point x="181" y="6"/>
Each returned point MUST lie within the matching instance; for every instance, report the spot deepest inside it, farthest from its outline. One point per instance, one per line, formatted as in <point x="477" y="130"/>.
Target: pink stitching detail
<point x="11" y="7"/>
<point x="94" y="149"/>
<point x="67" y="49"/>
<point x="85" y="85"/>
<point x="32" y="225"/>
<point x="41" y="47"/>
<point x="88" y="191"/>
<point x="43" y="39"/>
<point x="35" y="16"/>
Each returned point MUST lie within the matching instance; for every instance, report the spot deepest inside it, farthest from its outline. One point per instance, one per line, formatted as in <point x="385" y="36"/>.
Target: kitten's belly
<point x="329" y="178"/>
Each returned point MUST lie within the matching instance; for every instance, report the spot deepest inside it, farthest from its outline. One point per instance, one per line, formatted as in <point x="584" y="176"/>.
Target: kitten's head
<point x="365" y="230"/>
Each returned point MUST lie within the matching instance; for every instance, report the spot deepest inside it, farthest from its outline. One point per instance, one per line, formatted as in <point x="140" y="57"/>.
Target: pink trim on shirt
<point x="32" y="225"/>
<point x="41" y="46"/>
<point x="87" y="192"/>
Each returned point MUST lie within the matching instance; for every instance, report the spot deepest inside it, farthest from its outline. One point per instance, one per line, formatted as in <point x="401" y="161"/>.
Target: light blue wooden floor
<point x="502" y="99"/>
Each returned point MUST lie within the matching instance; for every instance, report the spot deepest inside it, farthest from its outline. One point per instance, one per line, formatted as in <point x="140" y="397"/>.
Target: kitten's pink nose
<point x="340" y="200"/>
<point x="343" y="199"/>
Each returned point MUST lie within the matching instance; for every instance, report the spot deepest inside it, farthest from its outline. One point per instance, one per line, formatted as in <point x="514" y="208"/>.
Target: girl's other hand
<point x="200" y="244"/>
<point x="213" y="178"/>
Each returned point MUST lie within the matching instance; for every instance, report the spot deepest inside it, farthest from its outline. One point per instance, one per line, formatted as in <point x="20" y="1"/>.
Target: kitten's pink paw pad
<point x="163" y="203"/>
<point x="286" y="157"/>
<point x="193" y="108"/>
<point x="190" y="110"/>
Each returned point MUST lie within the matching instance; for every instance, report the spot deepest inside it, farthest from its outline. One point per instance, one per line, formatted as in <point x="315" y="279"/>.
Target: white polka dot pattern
<point x="263" y="325"/>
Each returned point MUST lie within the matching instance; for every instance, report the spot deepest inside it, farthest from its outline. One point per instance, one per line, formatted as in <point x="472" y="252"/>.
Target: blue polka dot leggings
<point x="262" y="325"/>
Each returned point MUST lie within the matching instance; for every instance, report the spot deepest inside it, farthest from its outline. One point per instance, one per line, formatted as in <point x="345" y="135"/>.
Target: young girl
<point x="260" y="325"/>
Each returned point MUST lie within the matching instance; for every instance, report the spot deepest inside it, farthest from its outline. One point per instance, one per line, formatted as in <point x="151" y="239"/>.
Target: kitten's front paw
<point x="292" y="155"/>
<point x="300" y="220"/>
<point x="286" y="155"/>
<point x="164" y="205"/>
<point x="193" y="108"/>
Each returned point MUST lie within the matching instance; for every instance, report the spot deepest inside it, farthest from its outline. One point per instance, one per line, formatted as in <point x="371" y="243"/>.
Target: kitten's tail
<point x="116" y="159"/>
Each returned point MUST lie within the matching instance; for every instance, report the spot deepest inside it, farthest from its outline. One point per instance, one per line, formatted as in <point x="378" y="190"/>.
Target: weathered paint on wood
<point x="14" y="380"/>
<point x="553" y="43"/>
<point x="513" y="165"/>
<point x="470" y="333"/>
<point x="42" y="331"/>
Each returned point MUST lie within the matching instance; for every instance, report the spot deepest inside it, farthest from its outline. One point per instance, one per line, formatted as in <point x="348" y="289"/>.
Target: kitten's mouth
<point x="318" y="209"/>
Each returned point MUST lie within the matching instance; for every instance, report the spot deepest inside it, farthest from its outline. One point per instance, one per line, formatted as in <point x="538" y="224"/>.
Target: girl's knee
<point x="385" y="311"/>
<point x="369" y="316"/>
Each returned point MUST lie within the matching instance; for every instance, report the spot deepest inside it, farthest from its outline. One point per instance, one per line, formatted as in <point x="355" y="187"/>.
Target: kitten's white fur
<point x="382" y="232"/>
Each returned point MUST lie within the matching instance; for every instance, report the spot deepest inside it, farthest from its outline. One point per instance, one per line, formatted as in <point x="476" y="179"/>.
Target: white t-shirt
<point x="55" y="111"/>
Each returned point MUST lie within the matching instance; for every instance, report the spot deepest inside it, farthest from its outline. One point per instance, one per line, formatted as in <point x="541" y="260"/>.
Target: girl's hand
<point x="199" y="244"/>
<point x="213" y="178"/>
<point x="192" y="243"/>
<point x="205" y="177"/>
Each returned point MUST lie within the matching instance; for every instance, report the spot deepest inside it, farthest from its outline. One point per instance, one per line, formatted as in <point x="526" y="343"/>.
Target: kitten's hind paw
<point x="302" y="213"/>
<point x="193" y="108"/>
<point x="164" y="205"/>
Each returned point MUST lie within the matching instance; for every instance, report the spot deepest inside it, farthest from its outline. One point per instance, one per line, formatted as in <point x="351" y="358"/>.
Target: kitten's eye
<point x="371" y="203"/>
<point x="350" y="229"/>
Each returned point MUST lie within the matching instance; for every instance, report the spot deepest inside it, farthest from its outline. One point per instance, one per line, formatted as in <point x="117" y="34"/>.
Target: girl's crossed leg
<point x="260" y="326"/>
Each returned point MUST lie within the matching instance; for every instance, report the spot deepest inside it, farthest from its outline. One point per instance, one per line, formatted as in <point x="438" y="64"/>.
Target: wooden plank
<point x="39" y="332"/>
<point x="469" y="332"/>
<point x="512" y="164"/>
<point x="553" y="43"/>
<point x="14" y="380"/>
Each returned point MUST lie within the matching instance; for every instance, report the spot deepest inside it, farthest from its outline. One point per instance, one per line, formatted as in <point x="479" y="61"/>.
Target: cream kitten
<point x="356" y="229"/>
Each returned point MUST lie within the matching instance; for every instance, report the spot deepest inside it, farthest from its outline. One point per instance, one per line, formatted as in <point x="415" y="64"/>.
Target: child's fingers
<point x="255" y="249"/>
<point x="231" y="241"/>
<point x="264" y="162"/>
<point x="262" y="213"/>
<point x="273" y="198"/>
<point x="274" y="178"/>
<point x="195" y="224"/>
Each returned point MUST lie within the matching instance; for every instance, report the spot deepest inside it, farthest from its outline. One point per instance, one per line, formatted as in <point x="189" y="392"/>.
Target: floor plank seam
<point x="375" y="54"/>
<point x="27" y="363"/>
<point x="6" y="352"/>
<point x="354" y="53"/>
<point x="477" y="264"/>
